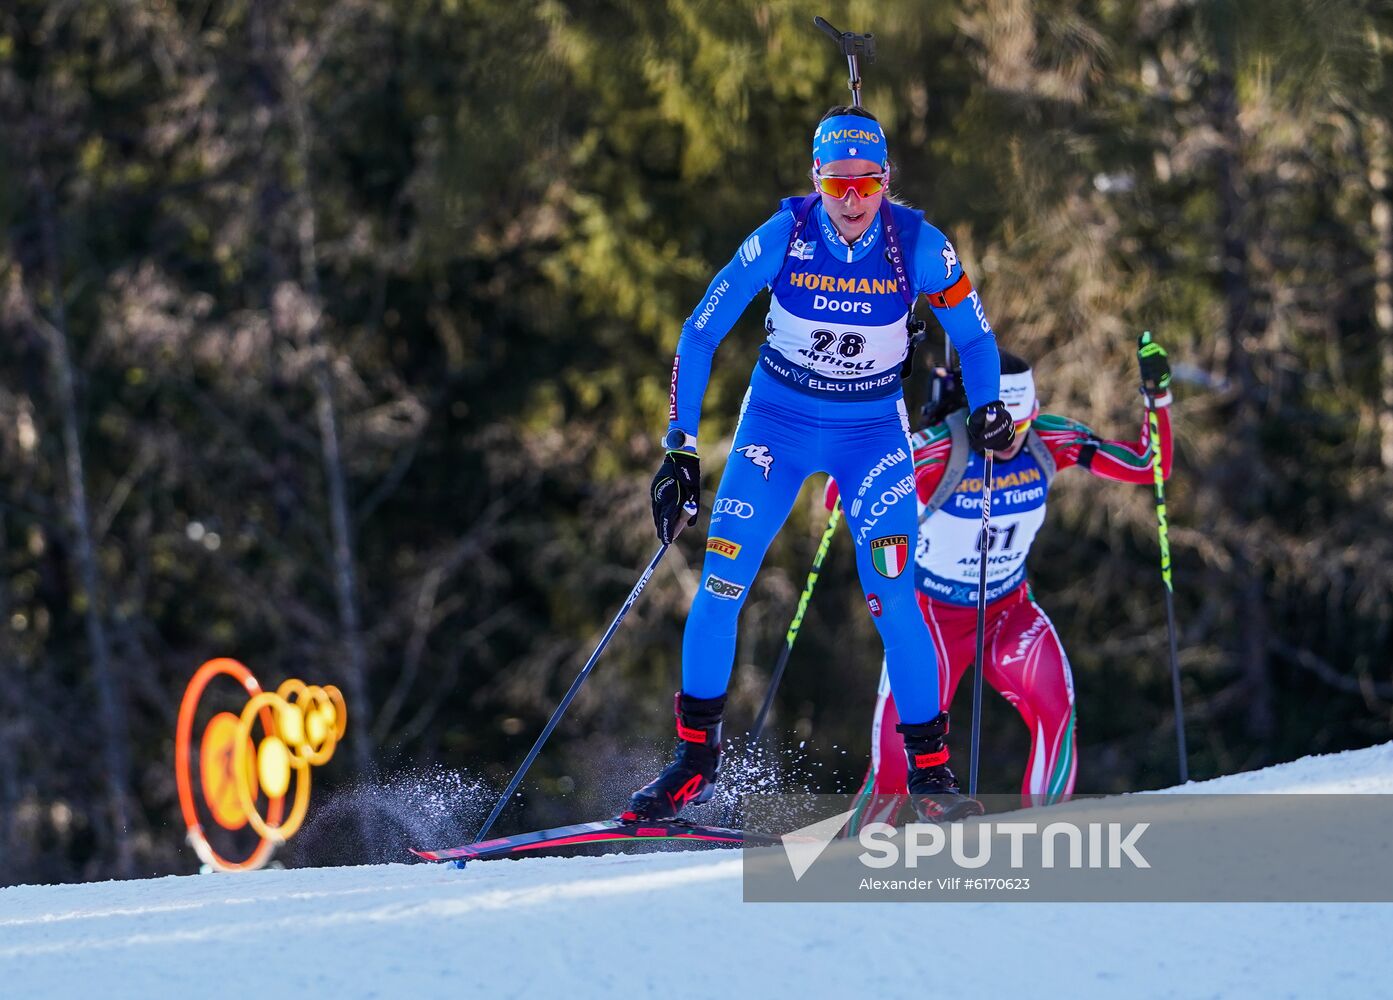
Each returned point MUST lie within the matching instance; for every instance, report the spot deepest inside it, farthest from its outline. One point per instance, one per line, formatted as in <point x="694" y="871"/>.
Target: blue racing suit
<point x="825" y="395"/>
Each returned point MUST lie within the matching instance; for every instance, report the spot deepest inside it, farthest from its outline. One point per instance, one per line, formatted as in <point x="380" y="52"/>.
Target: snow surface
<point x="673" y="924"/>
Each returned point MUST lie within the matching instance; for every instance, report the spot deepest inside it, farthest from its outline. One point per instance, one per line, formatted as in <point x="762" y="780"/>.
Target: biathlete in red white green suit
<point x="1025" y="660"/>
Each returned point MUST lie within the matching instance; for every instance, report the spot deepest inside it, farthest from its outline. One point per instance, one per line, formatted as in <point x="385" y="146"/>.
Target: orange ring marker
<point x="302" y="725"/>
<point x="222" y="666"/>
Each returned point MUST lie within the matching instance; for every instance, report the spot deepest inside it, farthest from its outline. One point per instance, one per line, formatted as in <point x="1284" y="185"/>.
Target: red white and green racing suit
<point x="1025" y="660"/>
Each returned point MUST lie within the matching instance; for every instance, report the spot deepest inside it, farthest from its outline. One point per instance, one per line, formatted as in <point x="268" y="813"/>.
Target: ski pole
<point x="570" y="695"/>
<point x="833" y="519"/>
<point x="983" y="546"/>
<point x="1163" y="532"/>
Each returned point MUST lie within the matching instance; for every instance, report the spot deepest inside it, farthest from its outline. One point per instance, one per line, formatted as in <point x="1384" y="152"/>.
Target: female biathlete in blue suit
<point x="844" y="267"/>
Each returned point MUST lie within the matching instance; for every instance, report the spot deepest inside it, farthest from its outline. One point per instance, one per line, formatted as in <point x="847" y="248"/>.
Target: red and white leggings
<point x="1026" y="664"/>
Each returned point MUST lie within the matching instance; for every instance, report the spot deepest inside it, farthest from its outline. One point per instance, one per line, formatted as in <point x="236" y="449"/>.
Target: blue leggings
<point x="783" y="437"/>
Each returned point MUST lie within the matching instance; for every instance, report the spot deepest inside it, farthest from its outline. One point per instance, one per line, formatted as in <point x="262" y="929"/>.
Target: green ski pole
<point x="1146" y="347"/>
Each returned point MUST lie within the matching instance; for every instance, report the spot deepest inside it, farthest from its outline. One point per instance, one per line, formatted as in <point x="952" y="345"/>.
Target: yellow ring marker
<point x="318" y="751"/>
<point x="291" y="726"/>
<point x="279" y="834"/>
<point x="317" y="728"/>
<point x="307" y="701"/>
<point x="273" y="766"/>
<point x="340" y="709"/>
<point x="218" y="772"/>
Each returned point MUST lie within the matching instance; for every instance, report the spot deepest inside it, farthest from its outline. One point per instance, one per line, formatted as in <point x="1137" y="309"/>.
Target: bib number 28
<point x="848" y="345"/>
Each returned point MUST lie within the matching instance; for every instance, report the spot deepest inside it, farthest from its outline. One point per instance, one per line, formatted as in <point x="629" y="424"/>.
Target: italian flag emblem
<point x="889" y="554"/>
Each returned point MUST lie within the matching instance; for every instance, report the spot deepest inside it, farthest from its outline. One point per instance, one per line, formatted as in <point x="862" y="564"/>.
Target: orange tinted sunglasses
<point x="864" y="185"/>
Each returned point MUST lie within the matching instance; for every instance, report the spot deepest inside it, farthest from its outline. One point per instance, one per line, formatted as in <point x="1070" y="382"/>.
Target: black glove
<point x="676" y="493"/>
<point x="945" y="395"/>
<point x="990" y="428"/>
<point x="1155" y="370"/>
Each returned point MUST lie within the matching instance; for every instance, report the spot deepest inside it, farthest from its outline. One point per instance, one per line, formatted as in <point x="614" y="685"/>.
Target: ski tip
<point x="460" y="863"/>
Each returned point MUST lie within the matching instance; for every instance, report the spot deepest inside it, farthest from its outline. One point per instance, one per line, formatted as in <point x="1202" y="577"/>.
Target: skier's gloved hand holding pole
<point x="990" y="428"/>
<point x="1155" y="371"/>
<point x="676" y="491"/>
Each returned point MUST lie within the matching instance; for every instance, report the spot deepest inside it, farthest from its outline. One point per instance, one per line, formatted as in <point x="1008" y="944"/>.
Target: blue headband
<point x="849" y="137"/>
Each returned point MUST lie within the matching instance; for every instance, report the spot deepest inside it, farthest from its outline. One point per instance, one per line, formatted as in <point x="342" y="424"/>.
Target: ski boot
<point x="691" y="777"/>
<point x="932" y="787"/>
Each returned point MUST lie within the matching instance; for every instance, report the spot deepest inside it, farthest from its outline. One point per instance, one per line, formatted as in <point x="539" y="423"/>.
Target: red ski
<point x="543" y="842"/>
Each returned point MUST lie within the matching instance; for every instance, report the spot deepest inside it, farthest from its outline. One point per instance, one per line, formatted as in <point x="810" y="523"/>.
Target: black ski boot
<point x="932" y="787"/>
<point x="691" y="777"/>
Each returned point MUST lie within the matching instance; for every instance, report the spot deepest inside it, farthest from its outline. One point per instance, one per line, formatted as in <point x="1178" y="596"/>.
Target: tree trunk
<point x="11" y="702"/>
<point x="1242" y="322"/>
<point x="326" y="413"/>
<point x="288" y="105"/>
<point x="1377" y="142"/>
<point x="111" y="708"/>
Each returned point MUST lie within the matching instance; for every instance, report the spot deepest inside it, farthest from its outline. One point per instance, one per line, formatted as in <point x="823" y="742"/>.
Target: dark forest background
<point x="335" y="336"/>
